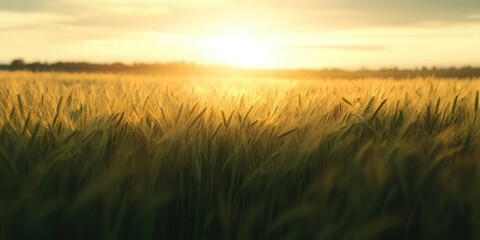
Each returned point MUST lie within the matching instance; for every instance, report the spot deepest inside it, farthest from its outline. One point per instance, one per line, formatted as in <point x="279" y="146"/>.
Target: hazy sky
<point x="300" y="33"/>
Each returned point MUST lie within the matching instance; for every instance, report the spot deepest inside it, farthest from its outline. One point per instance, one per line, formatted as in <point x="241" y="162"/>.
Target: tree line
<point x="192" y="68"/>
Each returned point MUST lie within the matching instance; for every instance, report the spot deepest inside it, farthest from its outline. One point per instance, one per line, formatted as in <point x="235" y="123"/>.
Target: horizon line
<point x="218" y="65"/>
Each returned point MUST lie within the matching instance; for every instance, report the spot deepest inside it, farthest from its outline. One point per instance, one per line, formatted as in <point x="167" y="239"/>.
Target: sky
<point x="347" y="34"/>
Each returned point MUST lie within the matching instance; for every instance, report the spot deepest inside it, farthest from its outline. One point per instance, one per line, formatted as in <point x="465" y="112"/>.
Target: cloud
<point x="354" y="13"/>
<point x="22" y="5"/>
<point x="265" y="16"/>
<point x="346" y="47"/>
<point x="35" y="6"/>
<point x="19" y="28"/>
<point x="475" y="16"/>
<point x="16" y="20"/>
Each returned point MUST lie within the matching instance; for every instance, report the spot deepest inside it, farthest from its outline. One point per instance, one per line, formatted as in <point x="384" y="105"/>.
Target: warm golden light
<point x="238" y="50"/>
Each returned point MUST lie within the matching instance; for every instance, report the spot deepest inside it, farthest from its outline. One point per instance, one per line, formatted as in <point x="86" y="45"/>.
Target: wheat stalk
<point x="476" y="102"/>
<point x="20" y="105"/>
<point x="369" y="106"/>
<point x="379" y="108"/>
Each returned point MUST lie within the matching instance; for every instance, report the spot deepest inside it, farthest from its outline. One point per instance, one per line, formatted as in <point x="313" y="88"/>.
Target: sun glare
<point x="238" y="50"/>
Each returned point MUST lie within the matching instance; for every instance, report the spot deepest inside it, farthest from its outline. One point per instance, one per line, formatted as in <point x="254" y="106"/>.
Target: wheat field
<point x="110" y="156"/>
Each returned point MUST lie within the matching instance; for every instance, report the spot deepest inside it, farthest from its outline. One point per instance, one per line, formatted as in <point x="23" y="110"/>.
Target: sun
<point x="239" y="50"/>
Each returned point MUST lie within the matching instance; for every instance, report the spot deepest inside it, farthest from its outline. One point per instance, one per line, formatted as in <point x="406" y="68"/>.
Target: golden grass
<point x="123" y="156"/>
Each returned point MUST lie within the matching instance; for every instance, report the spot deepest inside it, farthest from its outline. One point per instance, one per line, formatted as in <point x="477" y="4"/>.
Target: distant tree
<point x="17" y="64"/>
<point x="35" y="66"/>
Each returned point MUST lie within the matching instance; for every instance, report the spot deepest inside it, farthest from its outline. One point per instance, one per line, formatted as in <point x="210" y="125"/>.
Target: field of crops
<point x="104" y="156"/>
